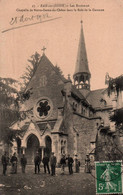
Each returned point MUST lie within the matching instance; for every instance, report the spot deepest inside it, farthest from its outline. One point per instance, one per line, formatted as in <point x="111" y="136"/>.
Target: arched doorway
<point x="32" y="147"/>
<point x="48" y="148"/>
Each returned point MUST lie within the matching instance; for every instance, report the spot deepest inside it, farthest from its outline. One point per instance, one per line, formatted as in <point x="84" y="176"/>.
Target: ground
<point x="41" y="184"/>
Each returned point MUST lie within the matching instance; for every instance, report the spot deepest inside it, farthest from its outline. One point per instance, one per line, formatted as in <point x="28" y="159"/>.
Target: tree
<point x="8" y="108"/>
<point x="116" y="84"/>
<point x="8" y="91"/>
<point x="31" y="68"/>
<point x="10" y="96"/>
<point x="59" y="71"/>
<point x="108" y="145"/>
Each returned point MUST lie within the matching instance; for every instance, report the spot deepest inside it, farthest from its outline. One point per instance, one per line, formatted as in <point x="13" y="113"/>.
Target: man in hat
<point x="46" y="163"/>
<point x="77" y="164"/>
<point x="4" y="161"/>
<point x="37" y="161"/>
<point x="70" y="164"/>
<point x="23" y="162"/>
<point x="87" y="164"/>
<point x="63" y="163"/>
<point x="53" y="163"/>
<point x="14" y="161"/>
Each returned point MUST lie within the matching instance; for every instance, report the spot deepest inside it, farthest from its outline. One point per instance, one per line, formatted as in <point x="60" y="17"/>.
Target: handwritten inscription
<point x="24" y="19"/>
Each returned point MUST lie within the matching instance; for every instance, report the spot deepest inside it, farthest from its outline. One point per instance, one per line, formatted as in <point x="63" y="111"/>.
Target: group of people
<point x="14" y="161"/>
<point x="37" y="161"/>
<point x="45" y="160"/>
<point x="52" y="161"/>
<point x="5" y="161"/>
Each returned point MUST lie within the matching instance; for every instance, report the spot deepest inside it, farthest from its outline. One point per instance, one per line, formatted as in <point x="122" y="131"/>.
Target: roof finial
<point x="43" y="49"/>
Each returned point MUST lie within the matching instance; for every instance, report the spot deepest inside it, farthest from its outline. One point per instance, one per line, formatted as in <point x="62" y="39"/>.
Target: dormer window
<point x="103" y="101"/>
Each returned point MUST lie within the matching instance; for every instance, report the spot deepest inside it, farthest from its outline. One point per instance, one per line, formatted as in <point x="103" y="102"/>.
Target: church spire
<point x="82" y="74"/>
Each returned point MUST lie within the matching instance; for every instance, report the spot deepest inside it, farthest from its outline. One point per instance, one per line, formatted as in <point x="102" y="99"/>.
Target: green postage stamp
<point x="108" y="177"/>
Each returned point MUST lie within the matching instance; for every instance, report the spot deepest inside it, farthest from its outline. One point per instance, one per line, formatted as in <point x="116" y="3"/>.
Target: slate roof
<point x="18" y="127"/>
<point x="82" y="62"/>
<point x="77" y="92"/>
<point x="42" y="126"/>
<point x="44" y="60"/>
<point x="94" y="97"/>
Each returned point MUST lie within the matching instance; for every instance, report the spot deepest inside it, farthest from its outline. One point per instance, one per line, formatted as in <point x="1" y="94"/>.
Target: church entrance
<point x="48" y="148"/>
<point x="32" y="147"/>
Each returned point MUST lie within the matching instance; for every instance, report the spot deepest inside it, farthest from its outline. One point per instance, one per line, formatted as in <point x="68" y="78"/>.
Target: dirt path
<point x="45" y="184"/>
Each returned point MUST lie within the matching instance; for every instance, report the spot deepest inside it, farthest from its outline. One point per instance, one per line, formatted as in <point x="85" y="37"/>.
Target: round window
<point x="43" y="108"/>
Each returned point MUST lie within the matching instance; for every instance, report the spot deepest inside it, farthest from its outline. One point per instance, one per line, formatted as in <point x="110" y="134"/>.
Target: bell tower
<point x="82" y="74"/>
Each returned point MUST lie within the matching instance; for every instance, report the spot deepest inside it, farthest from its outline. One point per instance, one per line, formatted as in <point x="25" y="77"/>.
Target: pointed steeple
<point x="82" y="74"/>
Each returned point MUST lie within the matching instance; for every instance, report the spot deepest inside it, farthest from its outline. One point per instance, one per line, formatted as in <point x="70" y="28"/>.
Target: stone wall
<point x="68" y="124"/>
<point x="104" y="114"/>
<point x="108" y="146"/>
<point x="87" y="130"/>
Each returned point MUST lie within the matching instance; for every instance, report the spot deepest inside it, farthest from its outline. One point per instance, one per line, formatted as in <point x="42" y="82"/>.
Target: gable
<point x="46" y="86"/>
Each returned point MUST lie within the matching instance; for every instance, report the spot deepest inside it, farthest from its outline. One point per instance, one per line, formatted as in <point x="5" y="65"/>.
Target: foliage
<point x="107" y="145"/>
<point x="8" y="109"/>
<point x="10" y="97"/>
<point x="59" y="71"/>
<point x="31" y="68"/>
<point x="115" y="84"/>
<point x="8" y="91"/>
<point x="117" y="116"/>
<point x="7" y="116"/>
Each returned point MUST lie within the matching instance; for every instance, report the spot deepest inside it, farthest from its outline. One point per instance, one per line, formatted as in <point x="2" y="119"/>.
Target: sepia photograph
<point x="61" y="97"/>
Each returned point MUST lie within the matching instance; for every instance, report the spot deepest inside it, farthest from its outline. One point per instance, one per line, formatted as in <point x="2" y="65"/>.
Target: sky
<point x="103" y="32"/>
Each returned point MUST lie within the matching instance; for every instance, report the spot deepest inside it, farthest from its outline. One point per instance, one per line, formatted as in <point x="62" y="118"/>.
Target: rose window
<point x="43" y="108"/>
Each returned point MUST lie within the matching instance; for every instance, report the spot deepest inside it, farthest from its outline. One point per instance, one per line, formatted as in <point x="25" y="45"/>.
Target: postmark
<point x="108" y="177"/>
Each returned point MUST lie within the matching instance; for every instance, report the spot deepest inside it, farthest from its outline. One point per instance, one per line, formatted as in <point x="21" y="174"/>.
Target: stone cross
<point x="43" y="49"/>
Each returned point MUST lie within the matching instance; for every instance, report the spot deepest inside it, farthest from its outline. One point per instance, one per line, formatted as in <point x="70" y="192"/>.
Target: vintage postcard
<point x="61" y="100"/>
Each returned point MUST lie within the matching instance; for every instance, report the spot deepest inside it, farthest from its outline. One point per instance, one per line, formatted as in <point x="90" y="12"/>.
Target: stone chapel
<point x="62" y="117"/>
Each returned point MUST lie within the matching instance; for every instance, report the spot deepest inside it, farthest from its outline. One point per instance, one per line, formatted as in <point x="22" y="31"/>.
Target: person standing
<point x="4" y="161"/>
<point x="23" y="162"/>
<point x="87" y="164"/>
<point x="37" y="162"/>
<point x="63" y="163"/>
<point x="77" y="164"/>
<point x="53" y="163"/>
<point x="14" y="161"/>
<point x="70" y="164"/>
<point x="46" y="163"/>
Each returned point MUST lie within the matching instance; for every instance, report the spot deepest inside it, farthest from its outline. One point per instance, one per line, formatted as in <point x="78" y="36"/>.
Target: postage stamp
<point x="108" y="177"/>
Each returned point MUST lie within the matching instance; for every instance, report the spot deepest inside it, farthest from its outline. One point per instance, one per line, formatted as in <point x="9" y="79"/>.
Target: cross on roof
<point x="43" y="49"/>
